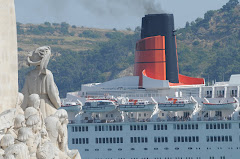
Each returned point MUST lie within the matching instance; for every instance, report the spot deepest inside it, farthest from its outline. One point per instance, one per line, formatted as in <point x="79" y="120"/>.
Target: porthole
<point x="119" y="149"/>
<point x="132" y="148"/>
<point x="109" y="149"/>
<point x="145" y="148"/>
<point x="176" y="148"/>
<point x="155" y="148"/>
<point x="86" y="149"/>
<point x="190" y="148"/>
<point x="96" y="149"/>
<point x="166" y="148"/>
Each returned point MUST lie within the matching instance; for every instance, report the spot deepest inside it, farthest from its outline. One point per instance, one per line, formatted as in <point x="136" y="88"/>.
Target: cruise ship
<point x="157" y="113"/>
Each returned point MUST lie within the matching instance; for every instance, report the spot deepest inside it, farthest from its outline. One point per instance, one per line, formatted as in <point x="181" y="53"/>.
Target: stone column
<point x="8" y="56"/>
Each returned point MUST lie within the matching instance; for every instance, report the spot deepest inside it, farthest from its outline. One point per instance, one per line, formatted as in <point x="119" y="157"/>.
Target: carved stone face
<point x="40" y="57"/>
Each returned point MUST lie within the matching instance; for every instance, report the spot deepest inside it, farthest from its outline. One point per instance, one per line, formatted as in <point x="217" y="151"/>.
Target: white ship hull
<point x="158" y="140"/>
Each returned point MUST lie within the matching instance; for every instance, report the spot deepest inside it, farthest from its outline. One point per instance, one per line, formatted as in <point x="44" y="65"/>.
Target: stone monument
<point x="8" y="56"/>
<point x="28" y="133"/>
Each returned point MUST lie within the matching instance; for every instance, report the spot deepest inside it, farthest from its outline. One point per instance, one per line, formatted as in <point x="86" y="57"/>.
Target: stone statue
<point x="63" y="140"/>
<point x="19" y="104"/>
<point x="19" y="123"/>
<point x="54" y="129"/>
<point x="40" y="81"/>
<point x="6" y="141"/>
<point x="17" y="151"/>
<point x="34" y="101"/>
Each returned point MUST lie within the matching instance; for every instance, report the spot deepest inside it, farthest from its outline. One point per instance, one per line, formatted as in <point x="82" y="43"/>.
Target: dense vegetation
<point x="207" y="47"/>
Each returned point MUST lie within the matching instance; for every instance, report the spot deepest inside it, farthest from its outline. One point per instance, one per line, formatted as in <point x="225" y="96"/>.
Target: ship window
<point x="226" y="138"/>
<point x="215" y="138"/>
<point x="87" y="141"/>
<point x="178" y="127"/>
<point x="76" y="129"/>
<point x="226" y="126"/>
<point x="197" y="139"/>
<point x="80" y="140"/>
<point x="100" y="140"/>
<point x="86" y="149"/>
<point x="83" y="140"/>
<point x="196" y="126"/>
<point x="175" y="139"/>
<point x="106" y="127"/>
<point x="120" y="127"/>
<point x="113" y="127"/>
<point x="193" y="139"/>
<point x="96" y="149"/>
<point x="99" y="128"/>
<point x="117" y="139"/>
<point x="83" y="128"/>
<point x="107" y="140"/>
<point x="95" y="128"/>
<point x="210" y="126"/>
<point x="73" y="128"/>
<point x="111" y="115"/>
<point x="207" y="126"/>
<point x="185" y="126"/>
<point x="189" y="139"/>
<point x="219" y="138"/>
<point x="73" y="141"/>
<point x="110" y="128"/>
<point x="110" y="140"/>
<point x="132" y="148"/>
<point x="86" y="128"/>
<point x="114" y="140"/>
<point x="96" y="140"/>
<point x="109" y="149"/>
<point x="131" y="139"/>
<point x="117" y="127"/>
<point x="193" y="126"/>
<point x="138" y="139"/>
<point x="145" y="149"/>
<point x="103" y="140"/>
<point x="230" y="138"/>
<point x="230" y="126"/>
<point x="166" y="139"/>
<point x="155" y="139"/>
<point x="135" y="139"/>
<point x="119" y="149"/>
<point x="131" y="127"/>
<point x="138" y="127"/>
<point x="145" y="127"/>
<point x="207" y="138"/>
<point x="181" y="126"/>
<point x="141" y="127"/>
<point x="76" y="140"/>
<point x="155" y="148"/>
<point x="142" y="139"/>
<point x="182" y="139"/>
<point x="146" y="139"/>
<point x="121" y="139"/>
<point x="222" y="126"/>
<point x="145" y="114"/>
<point x="155" y="127"/>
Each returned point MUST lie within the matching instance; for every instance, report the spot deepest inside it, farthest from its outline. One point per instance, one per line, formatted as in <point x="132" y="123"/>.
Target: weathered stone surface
<point x="8" y="56"/>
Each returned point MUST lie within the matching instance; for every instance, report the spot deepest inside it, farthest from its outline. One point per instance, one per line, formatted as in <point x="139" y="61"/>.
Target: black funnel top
<point x="163" y="24"/>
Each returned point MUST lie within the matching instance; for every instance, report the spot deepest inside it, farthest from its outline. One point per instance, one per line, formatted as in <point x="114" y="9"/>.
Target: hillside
<point x="210" y="47"/>
<point x="207" y="47"/>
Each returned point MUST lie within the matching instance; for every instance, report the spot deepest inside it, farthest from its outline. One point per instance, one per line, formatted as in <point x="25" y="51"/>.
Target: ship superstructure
<point x="157" y="113"/>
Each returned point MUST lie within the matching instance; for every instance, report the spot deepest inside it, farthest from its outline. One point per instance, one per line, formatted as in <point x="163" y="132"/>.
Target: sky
<point x="109" y="14"/>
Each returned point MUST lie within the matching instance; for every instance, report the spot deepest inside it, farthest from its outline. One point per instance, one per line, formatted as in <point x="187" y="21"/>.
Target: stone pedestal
<point x="8" y="56"/>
